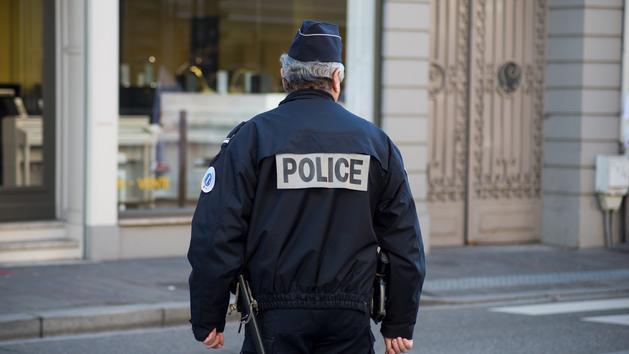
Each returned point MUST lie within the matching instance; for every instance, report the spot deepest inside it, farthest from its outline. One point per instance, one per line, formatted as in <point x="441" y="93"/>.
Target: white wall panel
<point x="404" y="101"/>
<point x="404" y="96"/>
<point x="409" y="16"/>
<point x="405" y="44"/>
<point x="396" y="72"/>
<point x="406" y="129"/>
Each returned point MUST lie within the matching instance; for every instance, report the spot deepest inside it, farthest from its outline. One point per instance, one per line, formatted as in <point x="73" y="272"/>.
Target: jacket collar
<point x="307" y="94"/>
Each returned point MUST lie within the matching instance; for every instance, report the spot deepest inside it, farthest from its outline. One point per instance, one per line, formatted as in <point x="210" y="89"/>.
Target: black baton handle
<point x="253" y="321"/>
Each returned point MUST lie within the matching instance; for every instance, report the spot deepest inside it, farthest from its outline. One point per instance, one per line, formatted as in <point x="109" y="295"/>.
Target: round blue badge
<point x="207" y="184"/>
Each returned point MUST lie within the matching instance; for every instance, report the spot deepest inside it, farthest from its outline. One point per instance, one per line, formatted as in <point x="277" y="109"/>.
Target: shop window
<point x="27" y="107"/>
<point x="21" y="99"/>
<point x="191" y="70"/>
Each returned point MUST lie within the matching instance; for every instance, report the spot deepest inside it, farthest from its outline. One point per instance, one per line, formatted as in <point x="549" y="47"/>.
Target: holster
<point x="380" y="291"/>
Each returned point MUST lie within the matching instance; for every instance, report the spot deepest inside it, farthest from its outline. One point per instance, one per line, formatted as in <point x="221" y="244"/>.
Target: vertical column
<point x="360" y="43"/>
<point x="582" y="103"/>
<point x="101" y="138"/>
<point x="70" y="127"/>
<point x="405" y="57"/>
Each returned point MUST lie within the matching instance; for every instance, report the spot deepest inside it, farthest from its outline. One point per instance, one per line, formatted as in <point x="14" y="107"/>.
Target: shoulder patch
<point x="232" y="133"/>
<point x="208" y="181"/>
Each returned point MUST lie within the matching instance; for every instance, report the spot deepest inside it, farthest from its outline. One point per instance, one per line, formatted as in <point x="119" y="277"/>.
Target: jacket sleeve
<point x="219" y="227"/>
<point x="397" y="227"/>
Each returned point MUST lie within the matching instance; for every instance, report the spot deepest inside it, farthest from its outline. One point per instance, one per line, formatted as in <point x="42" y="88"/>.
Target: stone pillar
<point x="360" y="44"/>
<point x="70" y="122"/>
<point x="101" y="135"/>
<point x="405" y="46"/>
<point x="582" y="104"/>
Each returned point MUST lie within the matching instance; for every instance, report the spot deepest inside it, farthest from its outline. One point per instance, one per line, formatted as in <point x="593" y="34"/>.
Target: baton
<point x="250" y="319"/>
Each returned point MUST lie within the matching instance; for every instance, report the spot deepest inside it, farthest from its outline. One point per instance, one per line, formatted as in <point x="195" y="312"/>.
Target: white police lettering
<point x="350" y="171"/>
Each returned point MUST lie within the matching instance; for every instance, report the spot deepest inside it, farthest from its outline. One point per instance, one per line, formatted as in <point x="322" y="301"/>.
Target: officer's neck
<point x="314" y="91"/>
<point x="335" y="94"/>
<point x="332" y="92"/>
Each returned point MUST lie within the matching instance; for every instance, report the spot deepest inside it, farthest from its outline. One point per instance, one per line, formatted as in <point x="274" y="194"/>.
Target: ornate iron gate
<point x="485" y="131"/>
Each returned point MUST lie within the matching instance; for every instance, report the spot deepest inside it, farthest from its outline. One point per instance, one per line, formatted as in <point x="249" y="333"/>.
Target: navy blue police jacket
<point x="298" y="199"/>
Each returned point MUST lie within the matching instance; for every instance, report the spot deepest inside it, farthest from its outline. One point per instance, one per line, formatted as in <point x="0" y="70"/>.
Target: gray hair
<point x="299" y="75"/>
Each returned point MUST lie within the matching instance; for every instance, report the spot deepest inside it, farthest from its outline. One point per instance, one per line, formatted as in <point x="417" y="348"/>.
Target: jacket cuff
<point x="201" y="332"/>
<point x="397" y="330"/>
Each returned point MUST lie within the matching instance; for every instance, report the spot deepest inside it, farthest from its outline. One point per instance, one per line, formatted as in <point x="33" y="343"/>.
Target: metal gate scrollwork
<point x="485" y="119"/>
<point x="515" y="173"/>
<point x="437" y="79"/>
<point x="448" y="93"/>
<point x="509" y="77"/>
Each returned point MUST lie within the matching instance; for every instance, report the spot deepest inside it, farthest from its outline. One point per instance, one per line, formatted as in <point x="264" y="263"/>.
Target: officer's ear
<point x="336" y="84"/>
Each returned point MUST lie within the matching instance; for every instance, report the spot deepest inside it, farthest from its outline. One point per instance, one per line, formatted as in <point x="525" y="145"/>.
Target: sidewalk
<point x="45" y="300"/>
<point x="499" y="273"/>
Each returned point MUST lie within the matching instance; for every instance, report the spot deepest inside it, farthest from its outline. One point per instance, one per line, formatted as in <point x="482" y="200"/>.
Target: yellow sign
<point x="145" y="183"/>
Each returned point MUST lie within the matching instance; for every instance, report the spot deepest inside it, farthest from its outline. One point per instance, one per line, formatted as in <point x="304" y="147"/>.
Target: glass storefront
<point x="21" y="101"/>
<point x="26" y="126"/>
<point x="191" y="70"/>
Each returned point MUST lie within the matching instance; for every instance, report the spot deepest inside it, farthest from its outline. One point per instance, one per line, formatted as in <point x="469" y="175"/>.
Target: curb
<point x="433" y="300"/>
<point x="120" y="317"/>
<point x="94" y="319"/>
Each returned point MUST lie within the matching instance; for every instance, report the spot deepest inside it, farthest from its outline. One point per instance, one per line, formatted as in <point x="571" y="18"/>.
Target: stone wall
<point x="405" y="46"/>
<point x="582" y="104"/>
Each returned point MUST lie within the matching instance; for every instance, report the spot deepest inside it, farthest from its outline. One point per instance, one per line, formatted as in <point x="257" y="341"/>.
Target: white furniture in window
<point x="22" y="155"/>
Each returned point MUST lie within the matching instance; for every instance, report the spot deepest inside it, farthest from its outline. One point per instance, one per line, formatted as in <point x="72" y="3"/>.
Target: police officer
<point x="298" y="199"/>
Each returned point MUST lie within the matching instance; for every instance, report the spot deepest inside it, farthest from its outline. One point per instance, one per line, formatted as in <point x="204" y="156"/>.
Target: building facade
<point x="498" y="106"/>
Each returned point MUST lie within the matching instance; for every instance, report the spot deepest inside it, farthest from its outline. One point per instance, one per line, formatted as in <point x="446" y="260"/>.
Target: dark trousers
<point x="308" y="331"/>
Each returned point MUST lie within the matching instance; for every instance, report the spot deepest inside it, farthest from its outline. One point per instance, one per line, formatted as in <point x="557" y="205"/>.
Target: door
<point x="486" y="87"/>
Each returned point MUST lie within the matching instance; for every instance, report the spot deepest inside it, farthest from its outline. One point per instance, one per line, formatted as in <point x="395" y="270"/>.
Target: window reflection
<point x="21" y="103"/>
<point x="189" y="72"/>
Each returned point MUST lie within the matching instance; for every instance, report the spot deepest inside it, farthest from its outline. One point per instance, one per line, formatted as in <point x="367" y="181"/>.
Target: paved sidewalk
<point x="496" y="273"/>
<point x="44" y="300"/>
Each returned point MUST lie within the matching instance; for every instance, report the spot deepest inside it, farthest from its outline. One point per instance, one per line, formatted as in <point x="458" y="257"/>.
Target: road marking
<point x="615" y="319"/>
<point x="565" y="307"/>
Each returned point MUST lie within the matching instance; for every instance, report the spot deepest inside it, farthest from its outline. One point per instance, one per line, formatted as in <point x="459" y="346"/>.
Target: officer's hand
<point x="398" y="345"/>
<point x="214" y="340"/>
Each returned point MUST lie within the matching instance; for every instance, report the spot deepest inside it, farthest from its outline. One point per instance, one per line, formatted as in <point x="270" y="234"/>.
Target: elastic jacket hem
<point x="312" y="301"/>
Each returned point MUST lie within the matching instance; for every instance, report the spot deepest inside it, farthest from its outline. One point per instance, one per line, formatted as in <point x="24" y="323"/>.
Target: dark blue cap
<point x="317" y="41"/>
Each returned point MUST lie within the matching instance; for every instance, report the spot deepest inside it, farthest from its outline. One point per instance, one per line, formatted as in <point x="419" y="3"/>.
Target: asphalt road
<point x="564" y="327"/>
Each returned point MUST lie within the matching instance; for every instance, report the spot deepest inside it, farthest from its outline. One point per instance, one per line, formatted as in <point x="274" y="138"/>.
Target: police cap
<point x="317" y="41"/>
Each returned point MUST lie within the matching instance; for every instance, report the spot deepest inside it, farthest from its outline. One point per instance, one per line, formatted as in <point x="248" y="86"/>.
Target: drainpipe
<point x="624" y="109"/>
<point x="625" y="60"/>
<point x="377" y="66"/>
